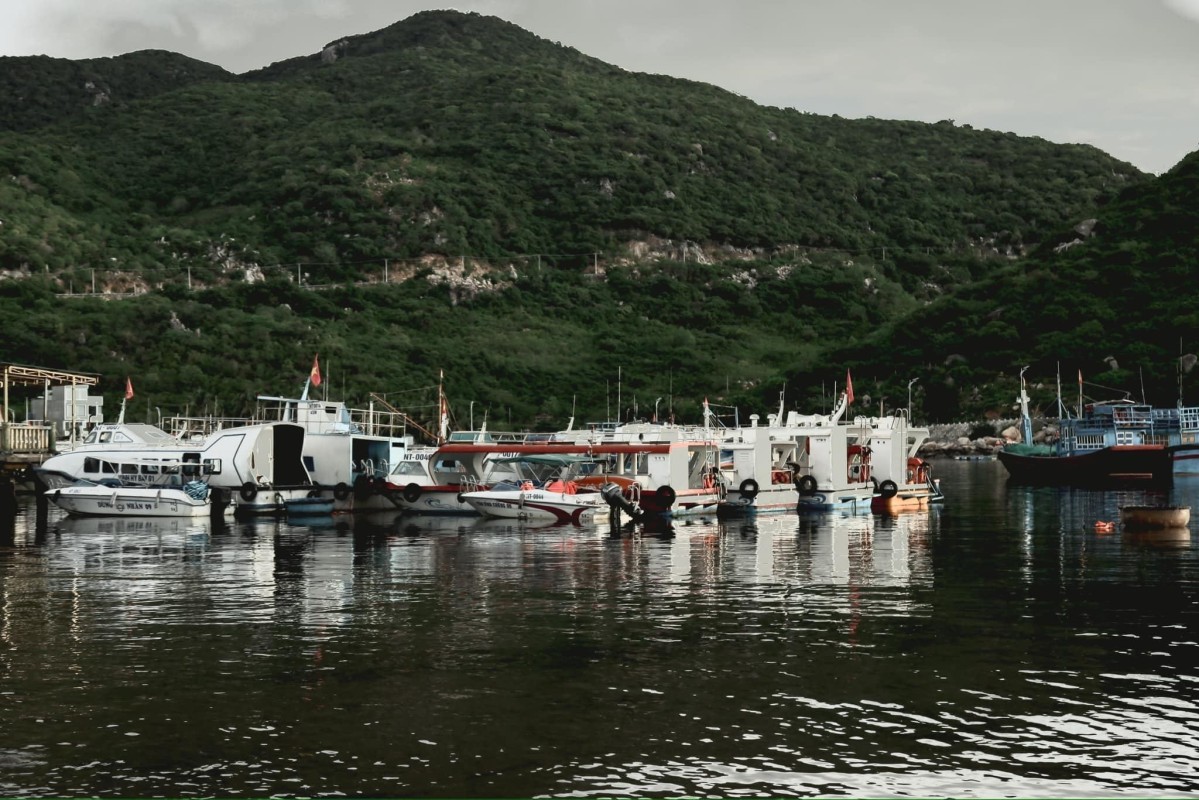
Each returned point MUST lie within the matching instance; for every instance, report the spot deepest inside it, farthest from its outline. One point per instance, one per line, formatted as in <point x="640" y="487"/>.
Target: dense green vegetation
<point x="895" y="248"/>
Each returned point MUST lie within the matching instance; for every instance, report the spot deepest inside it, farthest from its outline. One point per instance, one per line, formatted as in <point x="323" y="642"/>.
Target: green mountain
<point x="36" y="91"/>
<point x="547" y="219"/>
<point x="1110" y="300"/>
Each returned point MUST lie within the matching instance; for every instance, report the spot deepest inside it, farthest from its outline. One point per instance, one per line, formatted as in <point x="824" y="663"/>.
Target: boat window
<point x="409" y="468"/>
<point x="149" y="469"/>
<point x="118" y="436"/>
<point x="129" y="469"/>
<point x="309" y="463"/>
<point x="170" y="469"/>
<point x="91" y="465"/>
<point x="91" y="438"/>
<point x="106" y="436"/>
<point x="212" y="466"/>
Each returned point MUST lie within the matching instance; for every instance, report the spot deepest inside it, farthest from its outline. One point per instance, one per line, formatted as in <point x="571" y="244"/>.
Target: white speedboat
<point x="524" y="501"/>
<point x="194" y="499"/>
<point x="533" y="495"/>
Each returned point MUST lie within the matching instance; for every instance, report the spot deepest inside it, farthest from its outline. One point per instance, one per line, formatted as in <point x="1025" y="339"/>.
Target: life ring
<point x="666" y="495"/>
<point x="411" y="493"/>
<point x="341" y="491"/>
<point x="748" y="488"/>
<point x="248" y="491"/>
<point x="888" y="488"/>
<point x="806" y="485"/>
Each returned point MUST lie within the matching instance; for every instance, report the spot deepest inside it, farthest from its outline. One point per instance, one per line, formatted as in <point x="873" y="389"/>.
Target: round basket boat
<point x="1154" y="517"/>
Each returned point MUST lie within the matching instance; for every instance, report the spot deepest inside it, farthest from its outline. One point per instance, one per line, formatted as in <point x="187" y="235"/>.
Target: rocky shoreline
<point x="955" y="439"/>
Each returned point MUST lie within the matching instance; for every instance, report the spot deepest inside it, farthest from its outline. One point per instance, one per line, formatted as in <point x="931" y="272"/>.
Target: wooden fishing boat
<point x="1154" y="517"/>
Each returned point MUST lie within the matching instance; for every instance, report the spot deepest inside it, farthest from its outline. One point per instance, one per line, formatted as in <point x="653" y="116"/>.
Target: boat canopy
<point x="546" y="459"/>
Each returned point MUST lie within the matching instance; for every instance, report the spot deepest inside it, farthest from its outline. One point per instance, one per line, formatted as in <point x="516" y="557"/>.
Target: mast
<point x="443" y="410"/>
<point x="1061" y="407"/>
<point x="1025" y="419"/>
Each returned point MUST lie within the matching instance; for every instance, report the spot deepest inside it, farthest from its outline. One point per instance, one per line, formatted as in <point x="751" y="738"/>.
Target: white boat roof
<point x="129" y="433"/>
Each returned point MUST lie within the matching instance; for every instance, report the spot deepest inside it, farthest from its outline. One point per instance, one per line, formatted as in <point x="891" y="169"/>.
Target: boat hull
<point x="430" y="499"/>
<point x="850" y="500"/>
<point x="308" y="506"/>
<point x="537" y="504"/>
<point x="103" y="501"/>
<point x="685" y="503"/>
<point x="775" y="498"/>
<point x="1109" y="465"/>
<point x="1155" y="517"/>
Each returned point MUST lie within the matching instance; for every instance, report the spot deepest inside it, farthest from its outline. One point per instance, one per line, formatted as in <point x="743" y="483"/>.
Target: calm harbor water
<point x="998" y="646"/>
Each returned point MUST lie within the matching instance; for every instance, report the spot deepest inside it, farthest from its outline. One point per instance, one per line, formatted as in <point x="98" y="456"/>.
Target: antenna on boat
<point x="670" y="393"/>
<point x="619" y="409"/>
<point x="443" y="410"/>
<point x="1061" y="407"/>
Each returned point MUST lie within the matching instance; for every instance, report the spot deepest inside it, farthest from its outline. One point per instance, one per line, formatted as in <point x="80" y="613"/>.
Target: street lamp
<point x="913" y="380"/>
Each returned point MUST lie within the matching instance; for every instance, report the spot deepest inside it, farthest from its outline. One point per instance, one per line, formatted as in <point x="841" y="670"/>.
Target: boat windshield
<point x="410" y="468"/>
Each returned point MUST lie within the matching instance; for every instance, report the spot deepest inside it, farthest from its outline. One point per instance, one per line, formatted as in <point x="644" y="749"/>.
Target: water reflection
<point x="995" y="646"/>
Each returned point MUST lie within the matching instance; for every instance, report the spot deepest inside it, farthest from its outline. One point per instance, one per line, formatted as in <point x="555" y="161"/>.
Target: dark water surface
<point x="998" y="646"/>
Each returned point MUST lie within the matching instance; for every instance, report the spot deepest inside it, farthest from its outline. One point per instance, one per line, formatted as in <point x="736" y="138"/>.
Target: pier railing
<point x="26" y="438"/>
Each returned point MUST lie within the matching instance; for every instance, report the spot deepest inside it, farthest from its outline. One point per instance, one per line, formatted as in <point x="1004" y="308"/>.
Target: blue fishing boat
<point x="1111" y="442"/>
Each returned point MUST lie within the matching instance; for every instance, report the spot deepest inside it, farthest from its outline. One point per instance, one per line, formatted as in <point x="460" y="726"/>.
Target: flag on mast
<point x="128" y="388"/>
<point x="315" y="375"/>
<point x="848" y="389"/>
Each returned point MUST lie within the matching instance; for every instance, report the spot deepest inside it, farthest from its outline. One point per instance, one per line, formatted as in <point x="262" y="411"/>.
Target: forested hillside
<point x="555" y="218"/>
<point x="1112" y="300"/>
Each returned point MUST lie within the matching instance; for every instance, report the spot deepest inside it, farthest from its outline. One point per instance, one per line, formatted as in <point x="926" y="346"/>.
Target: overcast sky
<point x="1122" y="75"/>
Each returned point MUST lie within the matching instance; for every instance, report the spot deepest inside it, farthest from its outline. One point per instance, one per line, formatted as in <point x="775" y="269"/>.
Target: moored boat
<point x="314" y="505"/>
<point x="1110" y="443"/>
<point x="905" y="481"/>
<point x="1155" y="517"/>
<point x="810" y="462"/>
<point x="542" y="489"/>
<point x="114" y="499"/>
<point x="261" y="464"/>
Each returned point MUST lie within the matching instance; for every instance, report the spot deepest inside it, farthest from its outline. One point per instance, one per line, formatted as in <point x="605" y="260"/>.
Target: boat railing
<point x="197" y="428"/>
<point x="1132" y="418"/>
<point x="1188" y="418"/>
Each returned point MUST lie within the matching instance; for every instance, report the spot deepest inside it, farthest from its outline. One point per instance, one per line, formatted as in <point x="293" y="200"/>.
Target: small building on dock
<point x="32" y="440"/>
